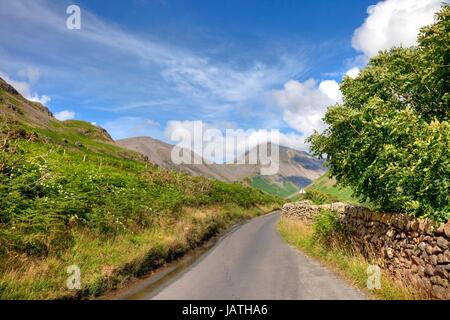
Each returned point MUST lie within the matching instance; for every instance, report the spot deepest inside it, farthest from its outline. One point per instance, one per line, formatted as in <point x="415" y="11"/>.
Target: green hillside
<point x="71" y="196"/>
<point x="284" y="189"/>
<point x="326" y="190"/>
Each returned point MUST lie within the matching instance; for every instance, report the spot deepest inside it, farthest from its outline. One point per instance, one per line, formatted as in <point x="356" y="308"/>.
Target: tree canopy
<point x="390" y="138"/>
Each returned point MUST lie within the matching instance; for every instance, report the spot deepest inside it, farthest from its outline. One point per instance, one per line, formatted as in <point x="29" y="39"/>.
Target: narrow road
<point x="253" y="262"/>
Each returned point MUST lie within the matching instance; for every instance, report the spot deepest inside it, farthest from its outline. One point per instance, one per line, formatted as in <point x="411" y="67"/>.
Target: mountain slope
<point x="326" y="190"/>
<point x="17" y="108"/>
<point x="297" y="168"/>
<point x="159" y="153"/>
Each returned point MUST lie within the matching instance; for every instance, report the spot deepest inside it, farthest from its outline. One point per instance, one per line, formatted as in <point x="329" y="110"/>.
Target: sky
<point x="148" y="67"/>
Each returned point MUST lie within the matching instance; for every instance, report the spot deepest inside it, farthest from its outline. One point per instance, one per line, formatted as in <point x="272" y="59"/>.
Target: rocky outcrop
<point x="413" y="250"/>
<point x="15" y="108"/>
<point x="7" y="87"/>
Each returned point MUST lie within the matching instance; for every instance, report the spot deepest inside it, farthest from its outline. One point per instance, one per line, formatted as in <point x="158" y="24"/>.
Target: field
<point x="325" y="190"/>
<point x="328" y="186"/>
<point x="284" y="189"/>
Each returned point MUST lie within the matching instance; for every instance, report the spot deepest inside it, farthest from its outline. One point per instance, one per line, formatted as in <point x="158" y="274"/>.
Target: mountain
<point x="297" y="169"/>
<point x="159" y="153"/>
<point x="16" y="110"/>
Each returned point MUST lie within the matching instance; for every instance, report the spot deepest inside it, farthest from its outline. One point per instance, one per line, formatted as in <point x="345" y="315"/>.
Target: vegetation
<point x="108" y="262"/>
<point x="389" y="140"/>
<point x="326" y="241"/>
<point x="284" y="189"/>
<point x="325" y="190"/>
<point x="69" y="195"/>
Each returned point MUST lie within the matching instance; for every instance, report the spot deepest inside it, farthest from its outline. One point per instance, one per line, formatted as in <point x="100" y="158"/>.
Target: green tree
<point x="390" y="138"/>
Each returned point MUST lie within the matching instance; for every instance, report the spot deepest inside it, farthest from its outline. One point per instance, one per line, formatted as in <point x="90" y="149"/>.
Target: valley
<point x="297" y="169"/>
<point x="72" y="197"/>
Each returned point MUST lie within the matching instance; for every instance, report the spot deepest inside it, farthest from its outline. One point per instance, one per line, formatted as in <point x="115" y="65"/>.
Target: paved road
<point x="254" y="262"/>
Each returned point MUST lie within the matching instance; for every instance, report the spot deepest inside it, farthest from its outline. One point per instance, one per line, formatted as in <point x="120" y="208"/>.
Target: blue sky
<point x="142" y="67"/>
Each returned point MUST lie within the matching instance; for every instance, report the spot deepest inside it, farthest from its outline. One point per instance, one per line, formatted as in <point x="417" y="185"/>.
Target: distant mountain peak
<point x="296" y="167"/>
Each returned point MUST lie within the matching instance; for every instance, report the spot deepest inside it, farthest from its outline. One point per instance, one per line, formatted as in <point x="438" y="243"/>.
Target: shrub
<point x="327" y="227"/>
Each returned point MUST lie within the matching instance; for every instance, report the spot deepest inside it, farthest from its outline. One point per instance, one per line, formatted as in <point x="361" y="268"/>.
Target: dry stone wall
<point x="307" y="211"/>
<point x="409" y="249"/>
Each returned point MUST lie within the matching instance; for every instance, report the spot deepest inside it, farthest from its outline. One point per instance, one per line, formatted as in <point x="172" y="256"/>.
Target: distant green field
<point x="284" y="190"/>
<point x="327" y="186"/>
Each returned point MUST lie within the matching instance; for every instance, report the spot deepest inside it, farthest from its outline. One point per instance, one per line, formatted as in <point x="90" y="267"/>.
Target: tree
<point x="390" y="138"/>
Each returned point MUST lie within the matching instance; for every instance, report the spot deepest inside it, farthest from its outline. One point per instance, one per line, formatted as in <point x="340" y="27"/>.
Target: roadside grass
<point x="340" y="259"/>
<point x="108" y="262"/>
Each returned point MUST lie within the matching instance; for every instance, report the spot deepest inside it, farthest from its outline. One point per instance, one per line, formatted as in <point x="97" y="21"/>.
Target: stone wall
<point x="306" y="210"/>
<point x="414" y="250"/>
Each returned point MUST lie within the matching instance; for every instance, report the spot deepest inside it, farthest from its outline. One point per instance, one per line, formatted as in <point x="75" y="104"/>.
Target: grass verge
<point x="107" y="263"/>
<point x="350" y="266"/>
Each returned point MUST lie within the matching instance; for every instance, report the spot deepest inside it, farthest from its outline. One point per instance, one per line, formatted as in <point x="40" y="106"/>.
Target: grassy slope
<point x="69" y="195"/>
<point x="323" y="185"/>
<point x="328" y="186"/>
<point x="351" y="267"/>
<point x="284" y="190"/>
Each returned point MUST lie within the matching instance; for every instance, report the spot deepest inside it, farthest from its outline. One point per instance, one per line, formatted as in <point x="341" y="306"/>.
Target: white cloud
<point x="65" y="115"/>
<point x="353" y="72"/>
<point x="390" y="23"/>
<point x="41" y="99"/>
<point x="152" y="123"/>
<point x="393" y="23"/>
<point x="32" y="74"/>
<point x="125" y="127"/>
<point x="232" y="149"/>
<point x="304" y="103"/>
<point x="331" y="89"/>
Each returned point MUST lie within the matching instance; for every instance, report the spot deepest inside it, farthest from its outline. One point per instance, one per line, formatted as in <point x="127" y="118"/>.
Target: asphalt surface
<point x="253" y="262"/>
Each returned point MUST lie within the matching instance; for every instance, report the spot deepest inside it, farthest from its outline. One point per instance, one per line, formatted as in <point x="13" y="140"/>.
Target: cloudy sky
<point x="146" y="67"/>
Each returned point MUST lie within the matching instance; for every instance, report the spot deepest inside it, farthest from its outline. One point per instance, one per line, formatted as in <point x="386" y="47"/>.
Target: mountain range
<point x="297" y="169"/>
